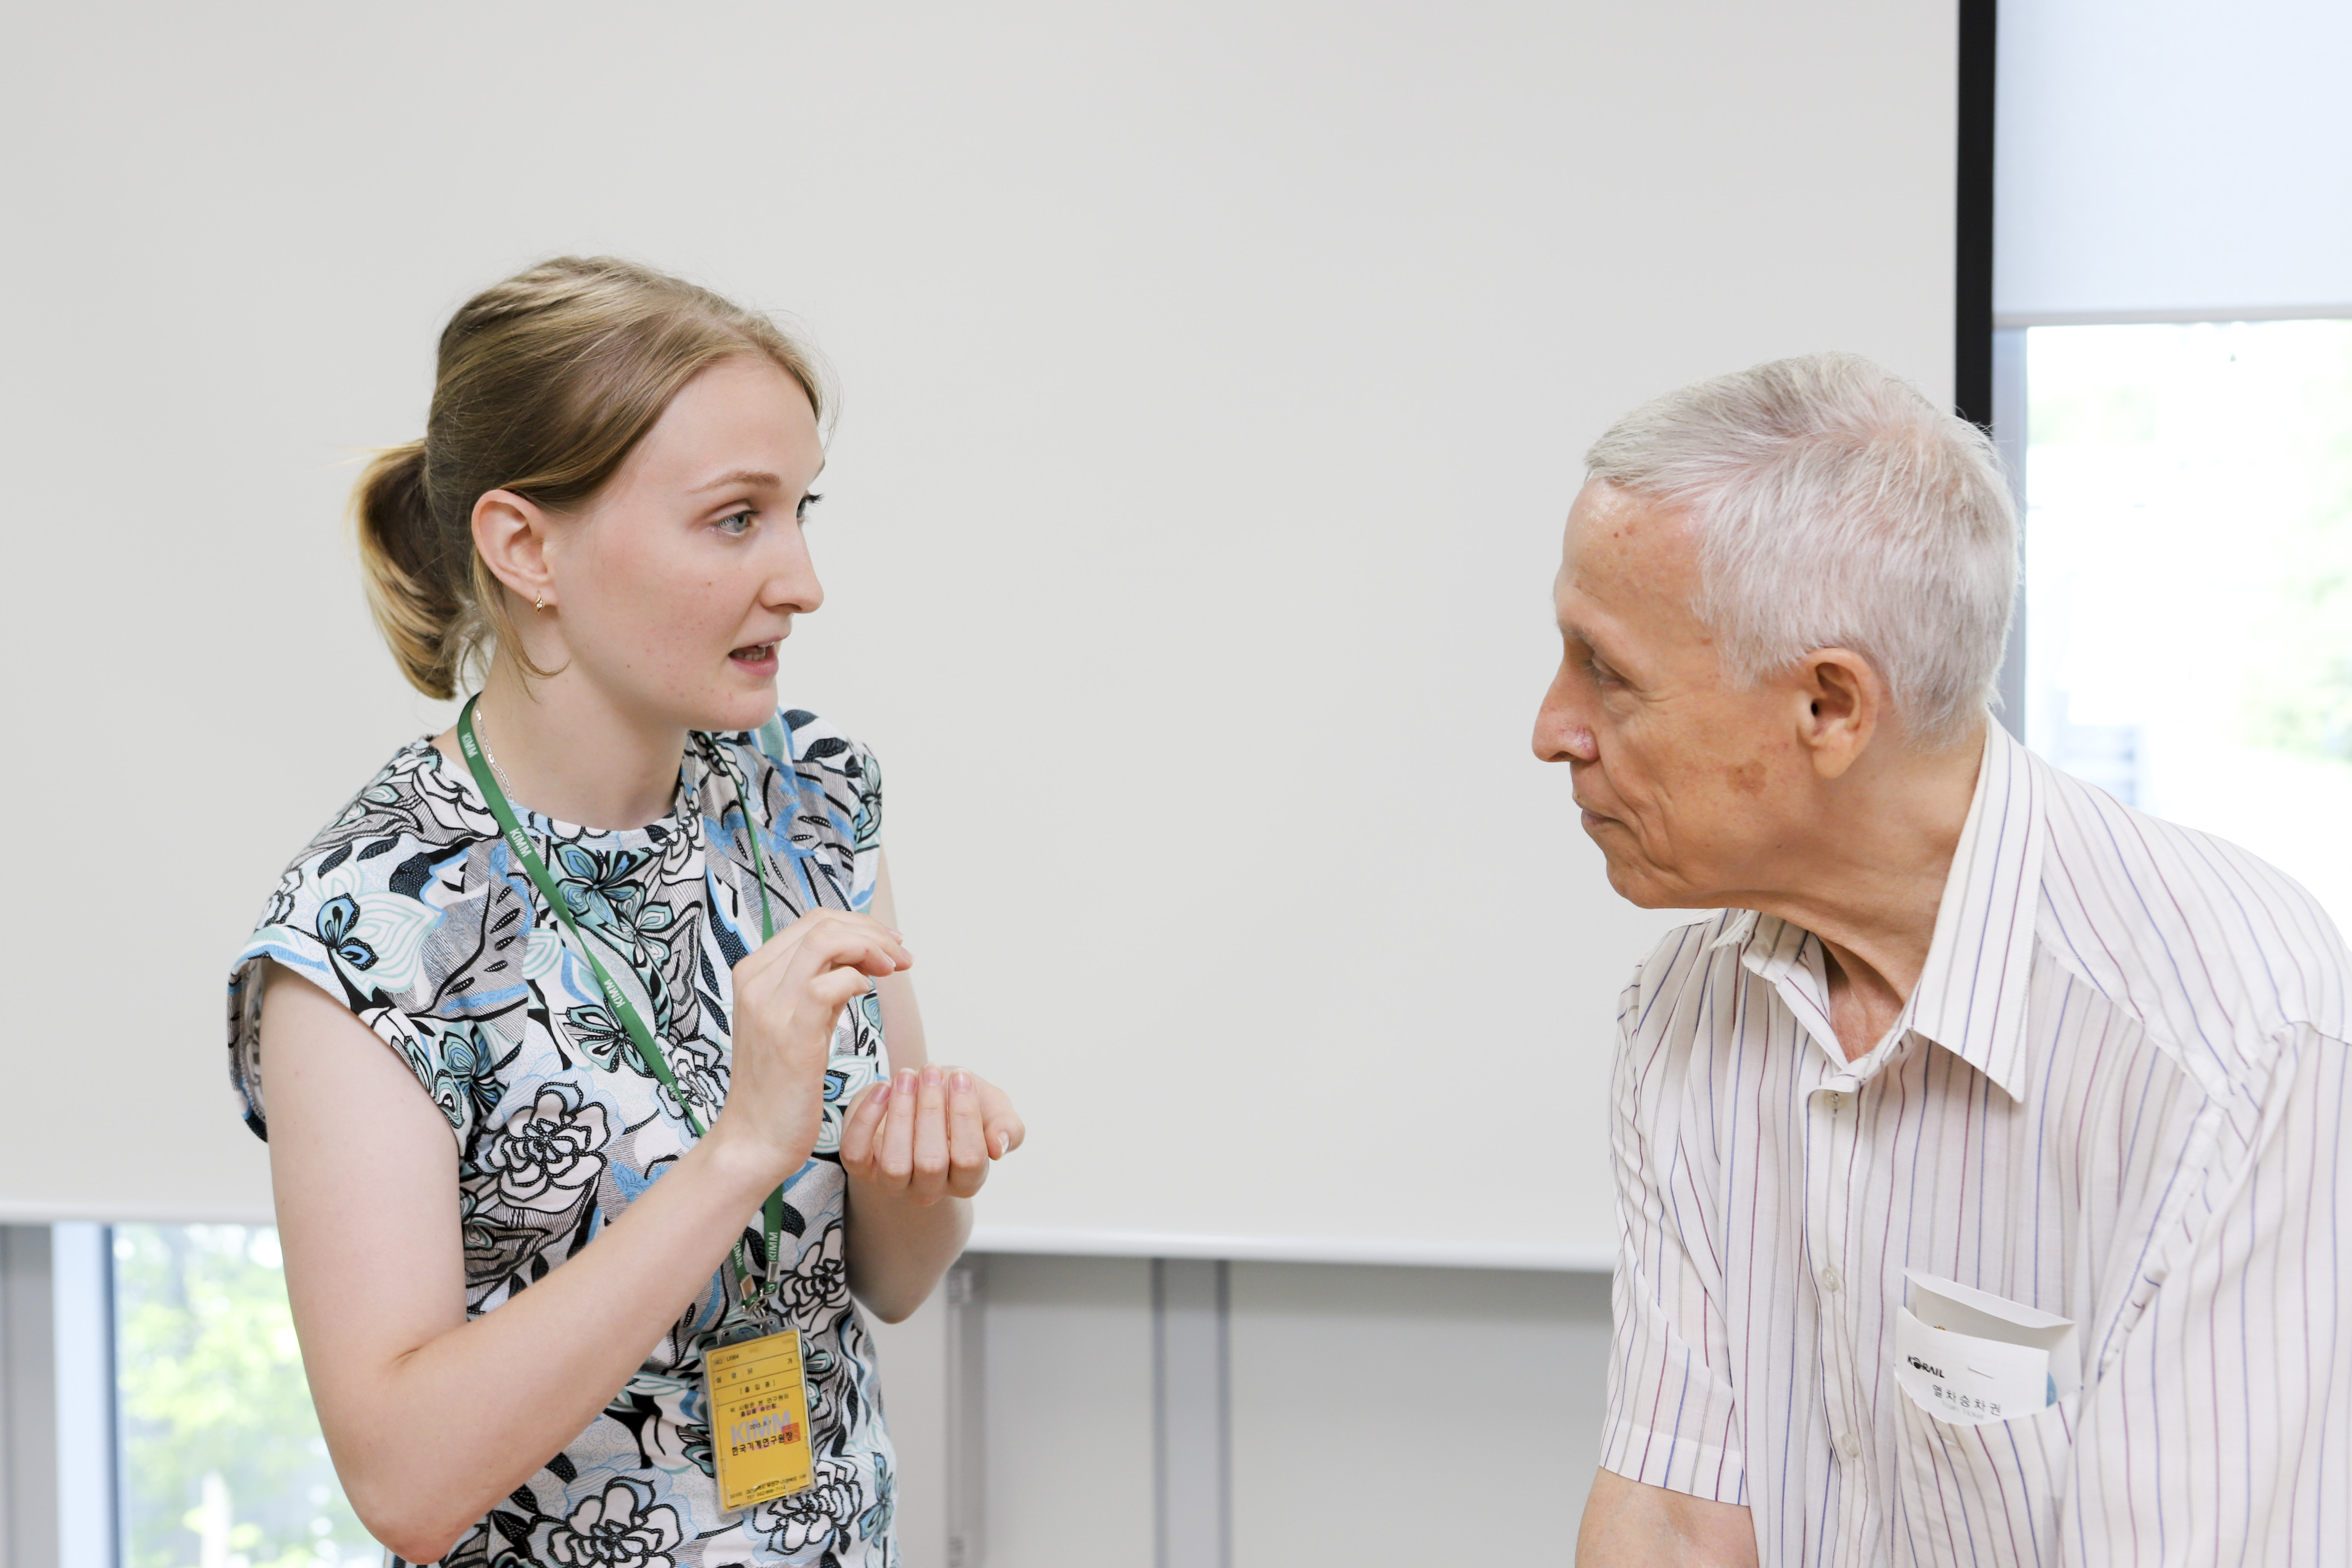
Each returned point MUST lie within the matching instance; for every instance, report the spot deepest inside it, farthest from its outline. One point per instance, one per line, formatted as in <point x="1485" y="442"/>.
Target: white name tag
<point x="1970" y="1356"/>
<point x="1960" y="1378"/>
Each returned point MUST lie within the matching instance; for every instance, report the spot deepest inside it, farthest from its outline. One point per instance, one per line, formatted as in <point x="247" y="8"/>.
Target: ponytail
<point x="546" y="382"/>
<point x="419" y="608"/>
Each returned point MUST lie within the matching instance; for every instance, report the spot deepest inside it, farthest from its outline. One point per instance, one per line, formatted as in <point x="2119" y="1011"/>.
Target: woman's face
<point x="672" y="587"/>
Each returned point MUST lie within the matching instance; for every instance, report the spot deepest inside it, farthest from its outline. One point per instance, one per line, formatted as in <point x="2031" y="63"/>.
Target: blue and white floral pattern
<point x="411" y="910"/>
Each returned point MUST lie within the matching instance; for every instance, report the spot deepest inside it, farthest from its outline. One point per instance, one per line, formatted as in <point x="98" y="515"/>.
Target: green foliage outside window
<point x="223" y="1466"/>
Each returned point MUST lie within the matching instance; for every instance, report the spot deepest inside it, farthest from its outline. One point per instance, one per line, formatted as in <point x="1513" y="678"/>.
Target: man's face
<point x="1685" y="781"/>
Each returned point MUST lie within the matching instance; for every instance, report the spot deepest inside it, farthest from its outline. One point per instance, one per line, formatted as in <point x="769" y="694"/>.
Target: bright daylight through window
<point x="222" y="1464"/>
<point x="2188" y="579"/>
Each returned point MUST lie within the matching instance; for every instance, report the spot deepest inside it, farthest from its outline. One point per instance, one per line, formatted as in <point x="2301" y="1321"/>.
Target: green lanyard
<point x="649" y="1051"/>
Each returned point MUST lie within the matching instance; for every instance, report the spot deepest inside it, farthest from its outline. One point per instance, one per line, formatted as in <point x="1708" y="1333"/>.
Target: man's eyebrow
<point x="1599" y="649"/>
<point x="754" y="477"/>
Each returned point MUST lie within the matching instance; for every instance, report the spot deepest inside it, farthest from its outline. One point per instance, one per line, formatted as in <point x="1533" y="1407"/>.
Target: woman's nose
<point x="792" y="584"/>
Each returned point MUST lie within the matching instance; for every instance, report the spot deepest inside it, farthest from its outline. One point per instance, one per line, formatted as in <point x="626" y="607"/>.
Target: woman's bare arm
<point x="432" y="1418"/>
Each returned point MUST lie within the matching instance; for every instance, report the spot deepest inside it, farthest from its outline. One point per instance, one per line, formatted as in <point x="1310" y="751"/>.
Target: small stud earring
<point x="539" y="603"/>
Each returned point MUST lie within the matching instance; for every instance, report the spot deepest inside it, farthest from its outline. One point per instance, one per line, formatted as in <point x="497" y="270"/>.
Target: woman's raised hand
<point x="929" y="1134"/>
<point x="788" y="996"/>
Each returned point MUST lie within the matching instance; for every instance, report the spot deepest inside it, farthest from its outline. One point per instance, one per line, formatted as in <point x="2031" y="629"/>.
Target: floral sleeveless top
<point x="410" y="909"/>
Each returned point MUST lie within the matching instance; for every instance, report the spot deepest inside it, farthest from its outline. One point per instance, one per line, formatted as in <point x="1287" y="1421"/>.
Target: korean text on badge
<point x="759" y="1419"/>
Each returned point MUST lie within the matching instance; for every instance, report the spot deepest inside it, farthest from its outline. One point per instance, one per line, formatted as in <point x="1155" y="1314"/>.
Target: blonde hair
<point x="545" y="384"/>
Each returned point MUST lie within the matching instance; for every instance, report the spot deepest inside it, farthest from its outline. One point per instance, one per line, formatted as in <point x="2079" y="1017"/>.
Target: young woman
<point x="574" y="1023"/>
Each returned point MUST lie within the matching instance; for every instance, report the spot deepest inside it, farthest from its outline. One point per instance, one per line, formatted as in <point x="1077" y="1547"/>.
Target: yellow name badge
<point x="759" y="1419"/>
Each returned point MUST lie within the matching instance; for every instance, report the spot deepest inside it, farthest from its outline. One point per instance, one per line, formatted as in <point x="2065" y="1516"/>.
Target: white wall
<point x="1069" y="1412"/>
<point x="1393" y="1417"/>
<point x="1358" y="1394"/>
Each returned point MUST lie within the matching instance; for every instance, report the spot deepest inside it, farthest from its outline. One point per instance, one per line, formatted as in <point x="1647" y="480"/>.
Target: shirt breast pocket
<point x="1981" y="1493"/>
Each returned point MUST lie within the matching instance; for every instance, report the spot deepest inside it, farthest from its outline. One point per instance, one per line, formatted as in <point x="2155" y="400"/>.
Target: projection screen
<point x="1215" y="381"/>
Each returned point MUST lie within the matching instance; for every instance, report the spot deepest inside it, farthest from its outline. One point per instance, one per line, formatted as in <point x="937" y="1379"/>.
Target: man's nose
<point x="1562" y="735"/>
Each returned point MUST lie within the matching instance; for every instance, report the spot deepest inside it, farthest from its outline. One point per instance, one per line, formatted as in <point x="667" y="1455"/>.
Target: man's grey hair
<point x="1835" y="507"/>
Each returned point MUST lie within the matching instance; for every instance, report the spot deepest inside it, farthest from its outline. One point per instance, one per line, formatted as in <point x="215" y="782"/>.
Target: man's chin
<point x="1626" y="876"/>
<point x="1635" y="882"/>
<point x="1637" y="891"/>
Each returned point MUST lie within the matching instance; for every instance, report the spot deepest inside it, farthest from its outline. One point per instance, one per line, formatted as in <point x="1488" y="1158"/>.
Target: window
<point x="2189" y="578"/>
<point x="221" y="1462"/>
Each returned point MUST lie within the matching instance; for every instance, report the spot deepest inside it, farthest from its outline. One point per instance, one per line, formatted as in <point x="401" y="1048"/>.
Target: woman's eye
<point x="800" y="512"/>
<point x="736" y="524"/>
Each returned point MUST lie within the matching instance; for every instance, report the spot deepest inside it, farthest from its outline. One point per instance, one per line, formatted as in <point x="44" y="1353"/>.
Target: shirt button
<point x="1853" y="1447"/>
<point x="1829" y="1279"/>
<point x="1835" y="1099"/>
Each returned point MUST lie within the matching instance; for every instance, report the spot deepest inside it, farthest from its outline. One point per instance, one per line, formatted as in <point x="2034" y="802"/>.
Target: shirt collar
<point x="1971" y="998"/>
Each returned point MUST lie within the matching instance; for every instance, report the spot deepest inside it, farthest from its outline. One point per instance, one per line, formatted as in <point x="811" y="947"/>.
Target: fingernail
<point x="882" y="1095"/>
<point x="963" y="1083"/>
<point x="1004" y="1140"/>
<point x="930" y="1077"/>
<point x="907" y="1081"/>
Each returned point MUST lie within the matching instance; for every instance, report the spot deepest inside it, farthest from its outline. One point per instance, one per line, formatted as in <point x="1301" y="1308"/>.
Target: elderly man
<point x="1972" y="1064"/>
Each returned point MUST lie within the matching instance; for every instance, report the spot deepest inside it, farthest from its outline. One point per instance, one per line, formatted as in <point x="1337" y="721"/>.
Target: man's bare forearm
<point x="1628" y="1524"/>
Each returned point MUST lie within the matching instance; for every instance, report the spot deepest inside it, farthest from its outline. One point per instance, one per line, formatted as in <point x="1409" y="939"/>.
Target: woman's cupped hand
<point x="928" y="1133"/>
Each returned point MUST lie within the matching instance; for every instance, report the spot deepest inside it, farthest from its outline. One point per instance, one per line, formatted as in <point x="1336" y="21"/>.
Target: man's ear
<point x="1843" y="703"/>
<point x="510" y="533"/>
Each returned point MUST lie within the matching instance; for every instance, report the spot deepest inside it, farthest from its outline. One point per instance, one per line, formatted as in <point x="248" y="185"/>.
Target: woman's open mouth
<point x="756" y="658"/>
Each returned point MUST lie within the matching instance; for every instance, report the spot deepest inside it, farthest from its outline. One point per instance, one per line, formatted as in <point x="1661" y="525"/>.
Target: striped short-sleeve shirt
<point x="2118" y="1093"/>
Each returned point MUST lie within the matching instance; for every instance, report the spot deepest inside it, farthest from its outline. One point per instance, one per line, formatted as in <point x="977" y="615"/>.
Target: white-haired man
<point x="1960" y="1024"/>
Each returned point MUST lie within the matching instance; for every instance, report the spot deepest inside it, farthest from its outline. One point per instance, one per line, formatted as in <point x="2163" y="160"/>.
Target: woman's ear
<point x="510" y="533"/>
<point x="1843" y="702"/>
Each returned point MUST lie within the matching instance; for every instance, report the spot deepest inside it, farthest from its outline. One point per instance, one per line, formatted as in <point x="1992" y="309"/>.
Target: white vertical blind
<point x="1216" y="377"/>
<point x="2173" y="160"/>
